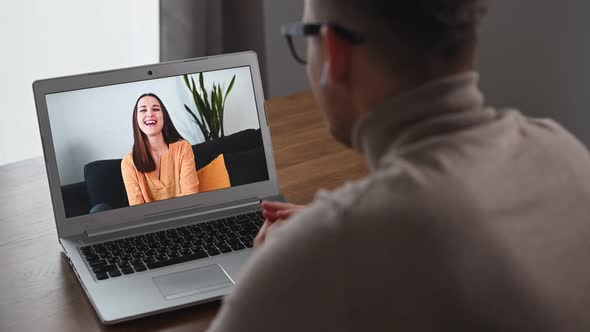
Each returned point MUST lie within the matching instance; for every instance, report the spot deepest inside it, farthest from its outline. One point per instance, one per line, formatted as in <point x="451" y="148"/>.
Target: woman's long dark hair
<point x="142" y="158"/>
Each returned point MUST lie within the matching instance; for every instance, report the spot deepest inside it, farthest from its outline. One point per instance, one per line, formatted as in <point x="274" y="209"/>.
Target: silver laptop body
<point x="162" y="287"/>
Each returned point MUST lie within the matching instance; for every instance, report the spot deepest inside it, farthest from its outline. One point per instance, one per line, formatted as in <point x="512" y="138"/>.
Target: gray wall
<point x="284" y="75"/>
<point x="534" y="57"/>
<point x="194" y="28"/>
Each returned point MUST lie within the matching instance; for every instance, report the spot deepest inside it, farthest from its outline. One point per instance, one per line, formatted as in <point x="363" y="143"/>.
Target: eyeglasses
<point x="298" y="46"/>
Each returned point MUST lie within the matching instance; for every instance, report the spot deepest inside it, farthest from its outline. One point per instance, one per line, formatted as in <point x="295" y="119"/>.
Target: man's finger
<point x="274" y="206"/>
<point x="270" y="215"/>
<point x="261" y="236"/>
<point x="284" y="214"/>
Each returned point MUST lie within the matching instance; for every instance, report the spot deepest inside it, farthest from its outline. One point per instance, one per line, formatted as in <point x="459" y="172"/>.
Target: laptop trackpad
<point x="185" y="283"/>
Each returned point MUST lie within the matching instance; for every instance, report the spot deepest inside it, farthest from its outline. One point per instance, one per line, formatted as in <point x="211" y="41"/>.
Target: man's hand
<point x="275" y="213"/>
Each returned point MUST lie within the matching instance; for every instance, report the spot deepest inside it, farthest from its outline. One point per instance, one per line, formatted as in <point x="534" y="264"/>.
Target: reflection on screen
<point x="136" y="143"/>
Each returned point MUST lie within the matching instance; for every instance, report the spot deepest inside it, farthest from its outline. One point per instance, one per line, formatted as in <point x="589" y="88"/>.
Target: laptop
<point x="140" y="242"/>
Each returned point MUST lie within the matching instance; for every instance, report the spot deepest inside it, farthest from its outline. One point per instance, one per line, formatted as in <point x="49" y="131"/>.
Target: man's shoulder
<point x="547" y="130"/>
<point x="398" y="197"/>
<point x="388" y="188"/>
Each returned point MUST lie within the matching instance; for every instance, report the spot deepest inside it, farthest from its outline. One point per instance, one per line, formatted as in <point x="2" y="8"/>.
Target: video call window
<point x="135" y="143"/>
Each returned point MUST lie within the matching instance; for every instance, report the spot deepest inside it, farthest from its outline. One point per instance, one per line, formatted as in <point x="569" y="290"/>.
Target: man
<point x="472" y="219"/>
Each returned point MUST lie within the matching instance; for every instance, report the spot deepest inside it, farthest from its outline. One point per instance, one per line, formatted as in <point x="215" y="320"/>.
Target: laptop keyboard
<point x="140" y="253"/>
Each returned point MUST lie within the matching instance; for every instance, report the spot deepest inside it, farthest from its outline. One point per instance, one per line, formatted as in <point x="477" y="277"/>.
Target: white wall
<point x="42" y="39"/>
<point x="534" y="56"/>
<point x="95" y="124"/>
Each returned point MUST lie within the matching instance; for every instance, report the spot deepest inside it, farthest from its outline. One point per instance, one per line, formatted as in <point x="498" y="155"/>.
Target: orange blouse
<point x="178" y="176"/>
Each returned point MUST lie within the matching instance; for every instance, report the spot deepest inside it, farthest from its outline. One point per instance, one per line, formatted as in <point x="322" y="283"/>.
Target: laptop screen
<point x="135" y="143"/>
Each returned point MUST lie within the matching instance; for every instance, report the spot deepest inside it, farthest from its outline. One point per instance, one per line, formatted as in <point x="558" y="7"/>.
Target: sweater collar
<point x="390" y="124"/>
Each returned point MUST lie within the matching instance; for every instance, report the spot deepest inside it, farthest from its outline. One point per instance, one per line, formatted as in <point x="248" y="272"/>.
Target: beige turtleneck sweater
<point x="471" y="220"/>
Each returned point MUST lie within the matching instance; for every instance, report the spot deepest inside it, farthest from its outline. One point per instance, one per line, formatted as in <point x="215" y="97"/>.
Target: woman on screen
<point x="162" y="163"/>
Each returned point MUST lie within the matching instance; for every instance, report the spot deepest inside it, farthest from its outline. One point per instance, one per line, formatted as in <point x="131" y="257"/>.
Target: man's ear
<point x="338" y="54"/>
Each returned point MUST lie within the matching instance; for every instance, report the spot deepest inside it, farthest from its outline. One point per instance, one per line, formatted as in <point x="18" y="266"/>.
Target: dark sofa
<point x="103" y="183"/>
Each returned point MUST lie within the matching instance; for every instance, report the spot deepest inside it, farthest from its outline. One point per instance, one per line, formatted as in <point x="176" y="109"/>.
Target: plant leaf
<point x="203" y="111"/>
<point x="185" y="76"/>
<point x="203" y="91"/>
<point x="200" y="107"/>
<point x="214" y="96"/>
<point x="218" y="103"/>
<point x="207" y="111"/>
<point x="229" y="88"/>
<point x="211" y="108"/>
<point x="203" y="130"/>
<point x="224" y="99"/>
<point x="191" y="112"/>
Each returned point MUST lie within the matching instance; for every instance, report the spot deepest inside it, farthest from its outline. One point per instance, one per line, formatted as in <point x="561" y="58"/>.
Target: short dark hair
<point x="142" y="157"/>
<point x="411" y="33"/>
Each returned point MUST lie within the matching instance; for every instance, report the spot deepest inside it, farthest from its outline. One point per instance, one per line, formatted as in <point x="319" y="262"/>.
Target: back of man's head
<point x="413" y="36"/>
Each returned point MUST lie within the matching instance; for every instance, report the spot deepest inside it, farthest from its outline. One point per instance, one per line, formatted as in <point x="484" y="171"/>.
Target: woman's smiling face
<point x="149" y="116"/>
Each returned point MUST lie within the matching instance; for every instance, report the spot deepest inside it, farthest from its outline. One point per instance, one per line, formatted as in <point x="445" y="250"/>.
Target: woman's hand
<point x="275" y="213"/>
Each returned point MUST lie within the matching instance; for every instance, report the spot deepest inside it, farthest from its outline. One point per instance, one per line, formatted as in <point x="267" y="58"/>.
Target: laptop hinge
<point x="155" y="219"/>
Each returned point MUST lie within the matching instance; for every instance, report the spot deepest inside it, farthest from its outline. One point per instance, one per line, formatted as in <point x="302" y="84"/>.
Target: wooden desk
<point x="38" y="289"/>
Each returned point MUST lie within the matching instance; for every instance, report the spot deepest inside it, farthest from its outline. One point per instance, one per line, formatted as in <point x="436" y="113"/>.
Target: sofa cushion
<point x="247" y="166"/>
<point x="241" y="141"/>
<point x="104" y="183"/>
<point x="214" y="176"/>
<point x="75" y="198"/>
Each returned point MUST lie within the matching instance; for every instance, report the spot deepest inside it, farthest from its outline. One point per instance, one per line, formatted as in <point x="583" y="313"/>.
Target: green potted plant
<point x="210" y="107"/>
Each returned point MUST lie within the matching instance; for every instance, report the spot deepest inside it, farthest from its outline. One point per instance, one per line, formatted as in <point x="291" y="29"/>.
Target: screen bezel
<point x="135" y="215"/>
